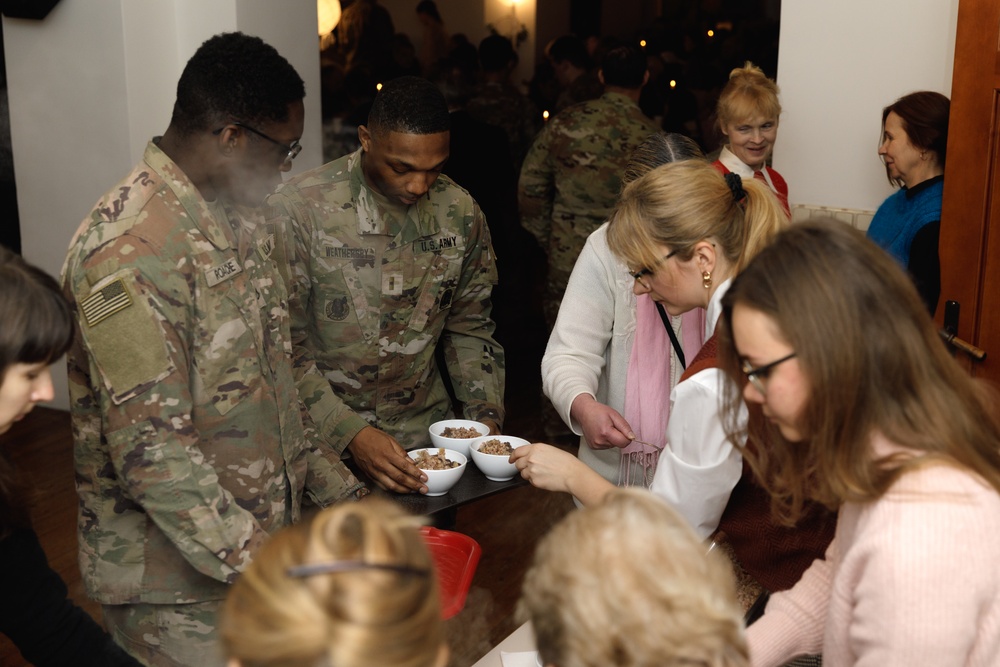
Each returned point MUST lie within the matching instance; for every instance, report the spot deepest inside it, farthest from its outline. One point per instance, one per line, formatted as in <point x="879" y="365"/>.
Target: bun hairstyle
<point x="748" y="94"/>
<point x="378" y="606"/>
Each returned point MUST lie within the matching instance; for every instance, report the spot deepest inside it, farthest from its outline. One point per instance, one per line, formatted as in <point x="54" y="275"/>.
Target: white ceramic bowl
<point x="439" y="482"/>
<point x="460" y="445"/>
<point x="494" y="466"/>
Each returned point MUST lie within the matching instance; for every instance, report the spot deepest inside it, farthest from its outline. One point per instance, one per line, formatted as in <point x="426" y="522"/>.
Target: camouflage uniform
<point x="571" y="179"/>
<point x="502" y="105"/>
<point x="189" y="443"/>
<point x="372" y="293"/>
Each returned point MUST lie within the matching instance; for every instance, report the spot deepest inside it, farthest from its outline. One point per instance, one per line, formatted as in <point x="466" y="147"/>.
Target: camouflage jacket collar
<point x="219" y="232"/>
<point x="419" y="221"/>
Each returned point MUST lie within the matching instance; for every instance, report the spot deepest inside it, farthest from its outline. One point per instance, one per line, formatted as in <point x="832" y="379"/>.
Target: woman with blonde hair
<point x="866" y="412"/>
<point x="612" y="358"/>
<point x="747" y="113"/>
<point x="354" y="587"/>
<point x="685" y="231"/>
<point x="665" y="603"/>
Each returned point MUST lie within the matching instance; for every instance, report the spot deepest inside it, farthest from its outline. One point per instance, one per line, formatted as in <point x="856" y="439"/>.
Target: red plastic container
<point x="455" y="559"/>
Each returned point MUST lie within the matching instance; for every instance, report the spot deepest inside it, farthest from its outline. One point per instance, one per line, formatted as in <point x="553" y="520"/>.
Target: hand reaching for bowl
<point x="603" y="426"/>
<point x="554" y="469"/>
<point x="381" y="457"/>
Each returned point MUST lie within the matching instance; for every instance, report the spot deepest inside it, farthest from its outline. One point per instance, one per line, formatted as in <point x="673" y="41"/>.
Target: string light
<point x="545" y="115"/>
<point x="673" y="83"/>
<point x="711" y="33"/>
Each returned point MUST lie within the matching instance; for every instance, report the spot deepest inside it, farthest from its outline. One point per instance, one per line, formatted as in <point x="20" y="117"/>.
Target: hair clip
<point x="313" y="569"/>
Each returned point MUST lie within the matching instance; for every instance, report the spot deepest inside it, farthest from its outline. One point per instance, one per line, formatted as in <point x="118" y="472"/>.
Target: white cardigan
<point x="588" y="351"/>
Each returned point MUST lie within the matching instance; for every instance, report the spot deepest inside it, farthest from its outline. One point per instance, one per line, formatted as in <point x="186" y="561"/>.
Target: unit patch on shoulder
<point x="105" y="302"/>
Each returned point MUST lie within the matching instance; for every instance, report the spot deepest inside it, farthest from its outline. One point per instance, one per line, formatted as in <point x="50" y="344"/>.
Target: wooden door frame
<point x="965" y="215"/>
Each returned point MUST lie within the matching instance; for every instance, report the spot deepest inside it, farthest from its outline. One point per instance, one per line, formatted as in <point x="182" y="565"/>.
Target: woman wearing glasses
<point x="866" y="412"/>
<point x="355" y="587"/>
<point x="685" y="230"/>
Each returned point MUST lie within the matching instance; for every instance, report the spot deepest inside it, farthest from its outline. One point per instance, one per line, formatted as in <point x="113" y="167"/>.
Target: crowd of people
<point x="778" y="388"/>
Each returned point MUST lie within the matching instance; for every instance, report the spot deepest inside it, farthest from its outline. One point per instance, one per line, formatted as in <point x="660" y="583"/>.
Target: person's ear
<point x="234" y="662"/>
<point x="600" y="76"/>
<point x="645" y="78"/>
<point x="705" y="256"/>
<point x="365" y="138"/>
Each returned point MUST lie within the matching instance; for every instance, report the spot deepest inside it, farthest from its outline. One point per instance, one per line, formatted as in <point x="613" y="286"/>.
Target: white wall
<point x="95" y="80"/>
<point x="839" y="64"/>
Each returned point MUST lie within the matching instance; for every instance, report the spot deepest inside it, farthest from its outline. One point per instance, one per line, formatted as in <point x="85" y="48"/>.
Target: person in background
<point x="684" y="230"/>
<point x="571" y="177"/>
<point x="355" y="587"/>
<point x="189" y="445"/>
<point x="386" y="259"/>
<point x="747" y="114"/>
<point x="908" y="223"/>
<point x="868" y="413"/>
<point x="610" y="363"/>
<point x="36" y="328"/>
<point x="573" y="70"/>
<point x="435" y="43"/>
<point x="498" y="101"/>
<point x="665" y="602"/>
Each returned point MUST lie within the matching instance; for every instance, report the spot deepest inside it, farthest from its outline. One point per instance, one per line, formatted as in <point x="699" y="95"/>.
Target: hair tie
<point x="735" y="184"/>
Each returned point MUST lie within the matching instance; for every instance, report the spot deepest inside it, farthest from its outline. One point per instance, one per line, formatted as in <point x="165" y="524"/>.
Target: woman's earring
<point x="706" y="279"/>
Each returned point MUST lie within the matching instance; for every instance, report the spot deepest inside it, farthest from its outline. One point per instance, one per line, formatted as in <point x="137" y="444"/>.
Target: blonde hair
<point x="628" y="583"/>
<point x="747" y="94"/>
<point x="682" y="203"/>
<point x="356" y="618"/>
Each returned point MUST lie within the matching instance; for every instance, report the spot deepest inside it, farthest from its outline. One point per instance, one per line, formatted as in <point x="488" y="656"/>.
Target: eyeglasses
<point x="314" y="569"/>
<point x="642" y="273"/>
<point x="758" y="376"/>
<point x="291" y="150"/>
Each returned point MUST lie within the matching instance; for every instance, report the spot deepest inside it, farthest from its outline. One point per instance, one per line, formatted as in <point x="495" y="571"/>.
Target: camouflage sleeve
<point x="333" y="419"/>
<point x="475" y="361"/>
<point x="536" y="187"/>
<point x="138" y="367"/>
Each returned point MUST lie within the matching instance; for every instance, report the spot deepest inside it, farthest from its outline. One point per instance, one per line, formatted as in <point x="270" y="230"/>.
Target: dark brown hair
<point x="36" y="325"/>
<point x="874" y="363"/>
<point x="925" y="120"/>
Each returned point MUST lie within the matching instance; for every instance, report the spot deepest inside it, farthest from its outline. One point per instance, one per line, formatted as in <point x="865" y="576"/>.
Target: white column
<point x="91" y="83"/>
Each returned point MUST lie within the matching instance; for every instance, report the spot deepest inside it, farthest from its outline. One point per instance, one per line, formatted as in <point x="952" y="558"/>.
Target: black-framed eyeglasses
<point x="313" y="569"/>
<point x="291" y="150"/>
<point x="758" y="376"/>
<point x="642" y="273"/>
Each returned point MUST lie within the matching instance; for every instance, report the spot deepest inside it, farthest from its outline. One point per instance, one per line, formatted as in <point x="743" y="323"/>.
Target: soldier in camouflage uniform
<point x="388" y="259"/>
<point x="190" y="447"/>
<point x="572" y="175"/>
<point x="498" y="102"/>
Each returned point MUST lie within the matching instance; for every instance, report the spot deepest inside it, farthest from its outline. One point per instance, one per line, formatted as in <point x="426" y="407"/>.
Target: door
<point x="970" y="216"/>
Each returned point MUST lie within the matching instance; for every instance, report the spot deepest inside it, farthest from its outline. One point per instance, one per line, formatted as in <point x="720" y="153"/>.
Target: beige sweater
<point x="910" y="579"/>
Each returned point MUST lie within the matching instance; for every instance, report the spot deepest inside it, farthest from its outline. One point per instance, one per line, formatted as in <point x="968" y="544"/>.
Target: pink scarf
<point x="647" y="385"/>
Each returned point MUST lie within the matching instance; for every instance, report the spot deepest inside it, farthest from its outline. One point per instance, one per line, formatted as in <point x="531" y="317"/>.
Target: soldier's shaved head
<point x="409" y="105"/>
<point x="233" y="76"/>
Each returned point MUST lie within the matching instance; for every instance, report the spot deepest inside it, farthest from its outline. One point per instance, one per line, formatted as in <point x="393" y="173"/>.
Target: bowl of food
<point x="443" y="467"/>
<point x="490" y="454"/>
<point x="456" y="434"/>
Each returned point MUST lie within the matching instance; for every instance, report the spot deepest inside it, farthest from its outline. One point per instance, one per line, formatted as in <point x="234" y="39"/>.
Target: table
<point x="522" y="639"/>
<point x="472" y="486"/>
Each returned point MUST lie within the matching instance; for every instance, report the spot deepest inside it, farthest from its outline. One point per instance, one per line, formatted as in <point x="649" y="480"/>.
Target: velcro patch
<point x="105" y="302"/>
<point x="224" y="271"/>
<point x="265" y="247"/>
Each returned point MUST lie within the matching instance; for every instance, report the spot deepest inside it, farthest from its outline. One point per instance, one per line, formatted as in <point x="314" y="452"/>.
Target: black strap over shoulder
<point x="670" y="332"/>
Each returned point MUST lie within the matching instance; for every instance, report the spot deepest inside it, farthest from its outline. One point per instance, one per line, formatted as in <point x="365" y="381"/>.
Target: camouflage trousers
<point x="167" y="635"/>
<point x="569" y="235"/>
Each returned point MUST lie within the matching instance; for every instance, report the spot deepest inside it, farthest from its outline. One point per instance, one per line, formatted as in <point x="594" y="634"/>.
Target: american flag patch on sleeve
<point x="105" y="302"/>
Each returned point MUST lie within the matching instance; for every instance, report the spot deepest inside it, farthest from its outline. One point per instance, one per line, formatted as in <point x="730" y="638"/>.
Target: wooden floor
<point x="506" y="526"/>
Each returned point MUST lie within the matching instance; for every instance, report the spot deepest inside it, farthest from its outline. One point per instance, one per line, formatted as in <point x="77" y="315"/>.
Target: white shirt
<point x="699" y="466"/>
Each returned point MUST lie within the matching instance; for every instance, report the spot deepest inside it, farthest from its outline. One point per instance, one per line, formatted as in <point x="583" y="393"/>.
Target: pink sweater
<point x="910" y="579"/>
